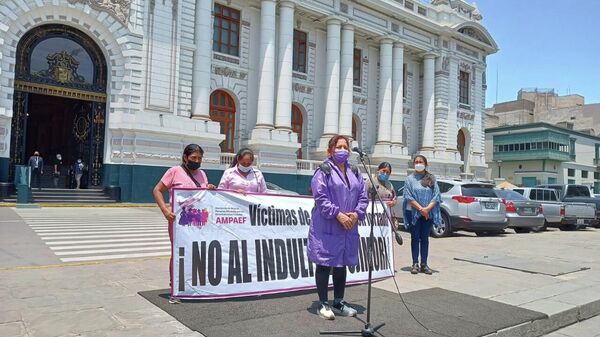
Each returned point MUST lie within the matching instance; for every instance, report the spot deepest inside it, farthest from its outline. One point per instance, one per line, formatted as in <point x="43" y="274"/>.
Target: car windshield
<point x="478" y="190"/>
<point x="509" y="195"/>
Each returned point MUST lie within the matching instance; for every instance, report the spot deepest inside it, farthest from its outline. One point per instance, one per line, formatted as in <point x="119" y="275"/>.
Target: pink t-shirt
<point x="177" y="177"/>
<point x="233" y="180"/>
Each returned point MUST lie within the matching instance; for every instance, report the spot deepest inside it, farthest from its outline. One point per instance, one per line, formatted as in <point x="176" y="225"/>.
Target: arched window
<point x="297" y="124"/>
<point x="222" y="110"/>
<point x="460" y="144"/>
<point x="60" y="56"/>
<point x="356" y="128"/>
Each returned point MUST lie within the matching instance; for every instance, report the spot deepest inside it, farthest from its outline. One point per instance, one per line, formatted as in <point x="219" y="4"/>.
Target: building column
<point x="283" y="112"/>
<point x="428" y="102"/>
<point x="397" y="94"/>
<point x="275" y="147"/>
<point x="266" y="81"/>
<point x="383" y="144"/>
<point x="332" y="87"/>
<point x="202" y="60"/>
<point x="347" y="80"/>
<point x="208" y="133"/>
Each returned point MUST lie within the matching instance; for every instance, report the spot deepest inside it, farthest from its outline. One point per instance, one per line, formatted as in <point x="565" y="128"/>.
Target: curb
<point x="50" y="205"/>
<point x="552" y="323"/>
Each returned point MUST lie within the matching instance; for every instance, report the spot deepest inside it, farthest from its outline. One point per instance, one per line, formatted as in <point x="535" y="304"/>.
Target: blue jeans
<point x="419" y="239"/>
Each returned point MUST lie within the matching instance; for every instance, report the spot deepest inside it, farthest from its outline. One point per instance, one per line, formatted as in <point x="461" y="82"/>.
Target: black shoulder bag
<point x="191" y="176"/>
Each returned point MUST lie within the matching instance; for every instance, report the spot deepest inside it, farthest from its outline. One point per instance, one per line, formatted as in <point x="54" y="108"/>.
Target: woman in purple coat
<point x="340" y="202"/>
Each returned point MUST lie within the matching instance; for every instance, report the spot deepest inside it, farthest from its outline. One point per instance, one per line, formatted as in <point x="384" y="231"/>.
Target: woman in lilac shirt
<point x="241" y="176"/>
<point x="340" y="202"/>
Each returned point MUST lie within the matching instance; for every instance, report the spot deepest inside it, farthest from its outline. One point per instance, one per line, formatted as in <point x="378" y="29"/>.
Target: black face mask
<point x="192" y="165"/>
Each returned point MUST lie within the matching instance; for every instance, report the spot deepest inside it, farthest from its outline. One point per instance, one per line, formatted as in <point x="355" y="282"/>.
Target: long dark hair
<point x="428" y="178"/>
<point x="240" y="154"/>
<point x="189" y="149"/>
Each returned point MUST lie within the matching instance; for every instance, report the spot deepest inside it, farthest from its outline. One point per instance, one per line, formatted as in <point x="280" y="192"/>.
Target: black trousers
<point x="36" y="176"/>
<point x="322" y="281"/>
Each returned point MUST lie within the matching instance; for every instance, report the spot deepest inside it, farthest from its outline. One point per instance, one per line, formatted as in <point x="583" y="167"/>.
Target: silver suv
<point x="469" y="206"/>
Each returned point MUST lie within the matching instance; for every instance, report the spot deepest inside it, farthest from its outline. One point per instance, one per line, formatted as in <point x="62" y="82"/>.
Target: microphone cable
<point x="389" y="219"/>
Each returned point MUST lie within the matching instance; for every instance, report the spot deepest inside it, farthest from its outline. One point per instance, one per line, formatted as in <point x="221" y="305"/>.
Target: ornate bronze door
<point x="64" y="72"/>
<point x="19" y="127"/>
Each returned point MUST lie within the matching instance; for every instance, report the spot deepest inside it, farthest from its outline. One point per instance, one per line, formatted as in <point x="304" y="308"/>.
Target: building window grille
<point x="356" y="67"/>
<point x="463" y="88"/>
<point x="300" y="40"/>
<point x="226" y="30"/>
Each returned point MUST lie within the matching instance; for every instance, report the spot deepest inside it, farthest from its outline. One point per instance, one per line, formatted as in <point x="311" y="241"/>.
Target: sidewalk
<point x="565" y="299"/>
<point x="101" y="298"/>
<point x="587" y="328"/>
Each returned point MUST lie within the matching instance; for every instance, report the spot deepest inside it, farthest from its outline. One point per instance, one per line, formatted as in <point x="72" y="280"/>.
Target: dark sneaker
<point x="426" y="270"/>
<point x="343" y="309"/>
<point x="414" y="269"/>
<point x="325" y="311"/>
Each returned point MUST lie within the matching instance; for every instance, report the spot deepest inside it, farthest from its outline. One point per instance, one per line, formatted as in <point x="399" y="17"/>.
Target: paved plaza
<point x="93" y="291"/>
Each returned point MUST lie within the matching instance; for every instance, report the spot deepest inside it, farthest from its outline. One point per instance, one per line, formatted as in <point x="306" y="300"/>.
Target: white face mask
<point x="245" y="169"/>
<point x="419" y="167"/>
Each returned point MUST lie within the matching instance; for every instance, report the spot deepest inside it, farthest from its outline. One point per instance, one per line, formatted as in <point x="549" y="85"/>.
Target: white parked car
<point x="276" y="189"/>
<point x="470" y="206"/>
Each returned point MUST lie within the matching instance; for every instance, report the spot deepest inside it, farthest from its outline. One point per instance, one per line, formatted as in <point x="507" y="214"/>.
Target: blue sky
<point x="544" y="44"/>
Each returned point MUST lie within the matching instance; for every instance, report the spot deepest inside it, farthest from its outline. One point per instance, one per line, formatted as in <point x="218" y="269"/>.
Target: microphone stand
<point x="369" y="330"/>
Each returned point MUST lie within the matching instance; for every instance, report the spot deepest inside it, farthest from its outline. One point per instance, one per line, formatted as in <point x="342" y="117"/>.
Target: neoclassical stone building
<point x="126" y="84"/>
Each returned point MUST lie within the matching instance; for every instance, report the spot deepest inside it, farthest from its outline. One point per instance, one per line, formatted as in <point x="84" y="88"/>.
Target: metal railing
<point x="227" y="158"/>
<point x="303" y="166"/>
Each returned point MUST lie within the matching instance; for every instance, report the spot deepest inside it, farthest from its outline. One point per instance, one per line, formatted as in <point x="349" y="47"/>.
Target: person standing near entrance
<point x="78" y="169"/>
<point x="36" y="164"/>
<point x="422" y="193"/>
<point x="340" y="202"/>
<point x="57" y="168"/>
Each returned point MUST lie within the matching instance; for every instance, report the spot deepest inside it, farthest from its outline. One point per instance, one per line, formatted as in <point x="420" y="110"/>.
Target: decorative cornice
<point x="119" y="9"/>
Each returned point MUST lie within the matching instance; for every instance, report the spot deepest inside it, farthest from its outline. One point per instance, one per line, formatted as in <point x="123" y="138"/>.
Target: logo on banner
<point x="193" y="217"/>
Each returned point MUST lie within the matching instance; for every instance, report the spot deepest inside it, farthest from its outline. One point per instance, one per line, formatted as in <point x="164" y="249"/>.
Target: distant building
<point x="542" y="153"/>
<point x="545" y="105"/>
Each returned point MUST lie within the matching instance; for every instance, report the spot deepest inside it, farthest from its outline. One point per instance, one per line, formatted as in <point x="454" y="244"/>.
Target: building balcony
<point x="547" y="154"/>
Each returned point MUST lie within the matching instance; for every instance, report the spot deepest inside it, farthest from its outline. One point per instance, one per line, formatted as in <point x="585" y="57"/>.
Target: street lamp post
<point x="499" y="168"/>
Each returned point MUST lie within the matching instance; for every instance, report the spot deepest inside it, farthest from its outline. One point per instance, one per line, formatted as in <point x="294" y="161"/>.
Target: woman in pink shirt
<point x="187" y="175"/>
<point x="241" y="176"/>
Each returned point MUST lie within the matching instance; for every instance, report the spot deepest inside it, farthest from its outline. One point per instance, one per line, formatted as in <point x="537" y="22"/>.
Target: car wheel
<point x="567" y="227"/>
<point x="522" y="230"/>
<point x="543" y="228"/>
<point x="444" y="228"/>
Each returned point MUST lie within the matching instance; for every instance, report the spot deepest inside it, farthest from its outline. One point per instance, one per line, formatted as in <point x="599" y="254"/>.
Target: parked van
<point x="565" y="215"/>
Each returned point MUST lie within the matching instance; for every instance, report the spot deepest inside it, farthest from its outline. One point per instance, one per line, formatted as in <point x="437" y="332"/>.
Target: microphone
<point x="359" y="151"/>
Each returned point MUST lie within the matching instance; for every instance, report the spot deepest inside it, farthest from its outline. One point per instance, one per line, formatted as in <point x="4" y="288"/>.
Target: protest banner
<point x="226" y="244"/>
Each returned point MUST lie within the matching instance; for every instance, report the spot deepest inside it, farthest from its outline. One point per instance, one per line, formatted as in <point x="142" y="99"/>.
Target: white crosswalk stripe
<point x="90" y="234"/>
